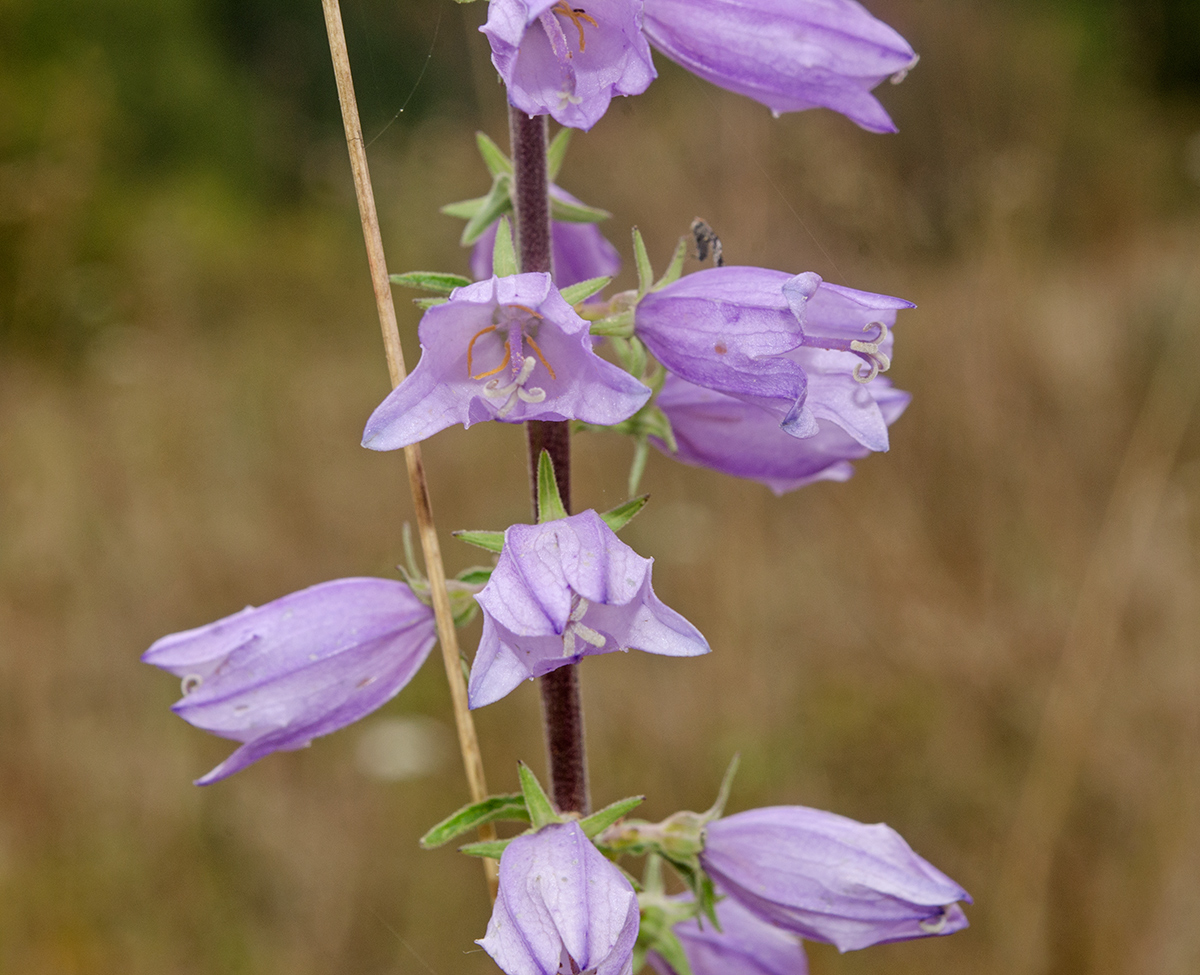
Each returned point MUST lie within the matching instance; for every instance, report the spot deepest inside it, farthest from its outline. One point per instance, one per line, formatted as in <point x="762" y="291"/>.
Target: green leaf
<point x="557" y="152"/>
<point x="582" y="291"/>
<point x="426" y="303"/>
<point x="567" y="212"/>
<point x="622" y="514"/>
<point x="644" y="271"/>
<point x="492" y="541"/>
<point x="718" y="807"/>
<point x="541" y="810"/>
<point x="600" y="820"/>
<point x="504" y="257"/>
<point x="667" y="944"/>
<point x="473" y="816"/>
<point x="435" y="281"/>
<point x="488" y="848"/>
<point x="464" y="209"/>
<point x="497" y="203"/>
<point x="477" y="575"/>
<point x="675" y="268"/>
<point x="550" y="505"/>
<point x="497" y="162"/>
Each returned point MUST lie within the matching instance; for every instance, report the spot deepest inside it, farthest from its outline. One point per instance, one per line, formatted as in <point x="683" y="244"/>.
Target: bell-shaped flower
<point x="727" y="329"/>
<point x="563" y="590"/>
<point x="788" y="54"/>
<point x="578" y="250"/>
<point x="726" y="434"/>
<point x="829" y="878"/>
<point x="561" y="908"/>
<point x="569" y="61"/>
<point x="744" y="945"/>
<point x="276" y="677"/>
<point x="758" y="335"/>
<point x="507" y="349"/>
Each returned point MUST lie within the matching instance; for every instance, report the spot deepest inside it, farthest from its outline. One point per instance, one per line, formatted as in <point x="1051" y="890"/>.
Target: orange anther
<point x="538" y="353"/>
<point x="471" y="347"/>
<point x="577" y="16"/>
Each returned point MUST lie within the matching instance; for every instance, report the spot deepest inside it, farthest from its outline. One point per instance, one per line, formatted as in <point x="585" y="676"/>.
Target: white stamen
<point x="527" y="368"/>
<point x="878" y="361"/>
<point x="190" y="682"/>
<point x="508" y="405"/>
<point x="578" y="608"/>
<point x="588" y="635"/>
<point x="535" y="394"/>
<point x="934" y="925"/>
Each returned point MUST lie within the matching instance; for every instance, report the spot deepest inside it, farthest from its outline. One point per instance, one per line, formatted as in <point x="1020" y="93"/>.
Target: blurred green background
<point x="988" y="638"/>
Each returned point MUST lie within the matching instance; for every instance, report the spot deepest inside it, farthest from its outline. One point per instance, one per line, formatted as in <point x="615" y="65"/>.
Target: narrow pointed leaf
<point x="434" y="281"/>
<point x="644" y="271"/>
<point x="464" y="209"/>
<point x="582" y="291"/>
<point x="557" y="152"/>
<point x="488" y="848"/>
<point x="600" y="820"/>
<point x="492" y="541"/>
<point x="477" y="575"/>
<point x="675" y="269"/>
<point x="497" y="203"/>
<point x="622" y="514"/>
<point x="550" y="504"/>
<point x="568" y="212"/>
<point x="619" y="325"/>
<point x="718" y="807"/>
<point x="493" y="156"/>
<point x="504" y="257"/>
<point x="541" y="810"/>
<point x="489" y="810"/>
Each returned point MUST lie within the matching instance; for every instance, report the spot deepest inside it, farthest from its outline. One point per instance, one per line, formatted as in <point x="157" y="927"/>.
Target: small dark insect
<point x="707" y="240"/>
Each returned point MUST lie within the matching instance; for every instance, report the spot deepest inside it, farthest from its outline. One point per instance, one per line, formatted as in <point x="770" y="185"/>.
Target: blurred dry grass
<point x="884" y="648"/>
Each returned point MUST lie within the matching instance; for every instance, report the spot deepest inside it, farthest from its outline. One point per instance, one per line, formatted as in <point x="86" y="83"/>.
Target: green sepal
<point x="497" y="203"/>
<point x="490" y="541"/>
<point x="477" y="575"/>
<point x="434" y="281"/>
<point x="632" y="354"/>
<point x="426" y="303"/>
<point x="550" y="504"/>
<point x="675" y="269"/>
<point x="464" y="1"/>
<point x="488" y="848"/>
<point x="644" y="272"/>
<point x="567" y="212"/>
<point x="541" y="810"/>
<point x="619" y="325"/>
<point x="620" y="516"/>
<point x="664" y="942"/>
<point x="557" y="152"/>
<point x="469" y="817"/>
<point x="717" y="809"/>
<point x="504" y="256"/>
<point x="582" y="291"/>
<point x="464" y="209"/>
<point x="600" y="820"/>
<point x="497" y="162"/>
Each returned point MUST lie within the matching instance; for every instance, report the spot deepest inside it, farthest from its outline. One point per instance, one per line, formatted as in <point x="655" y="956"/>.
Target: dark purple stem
<point x="562" y="712"/>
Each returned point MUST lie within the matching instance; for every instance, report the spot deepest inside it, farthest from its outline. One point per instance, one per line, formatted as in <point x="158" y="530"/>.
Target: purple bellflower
<point x="561" y="908"/>
<point x="276" y="677"/>
<point x="788" y="54"/>
<point x="727" y="435"/>
<point x="829" y="878"/>
<point x="507" y="349"/>
<point x="745" y="945"/>
<point x="566" y="61"/>
<point x="563" y="590"/>
<point x="760" y="336"/>
<point x="579" y="251"/>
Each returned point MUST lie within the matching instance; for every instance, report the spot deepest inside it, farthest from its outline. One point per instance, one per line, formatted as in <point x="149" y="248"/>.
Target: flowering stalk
<point x="447" y="634"/>
<point x="562" y="712"/>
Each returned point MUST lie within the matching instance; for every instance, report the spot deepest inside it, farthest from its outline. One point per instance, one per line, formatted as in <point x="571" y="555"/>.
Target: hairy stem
<point x="447" y="635"/>
<point x="562" y="713"/>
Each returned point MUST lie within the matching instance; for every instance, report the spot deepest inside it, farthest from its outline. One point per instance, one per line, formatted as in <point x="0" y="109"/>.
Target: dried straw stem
<point x="447" y="635"/>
